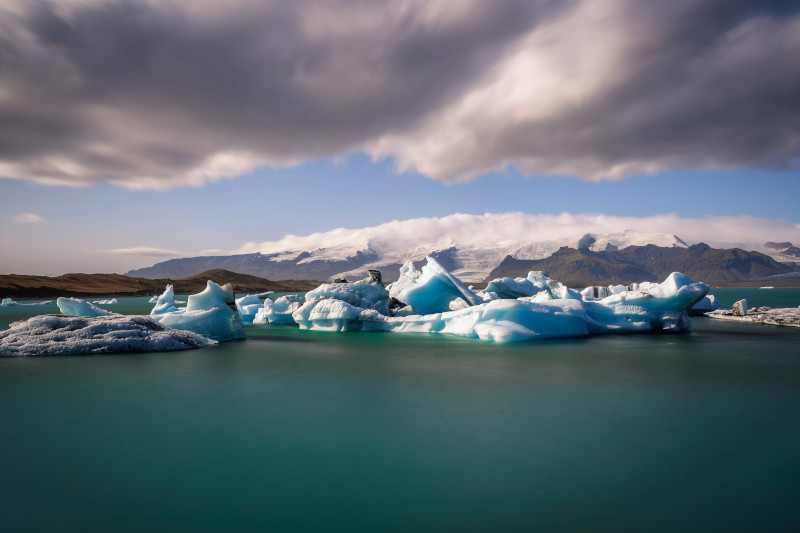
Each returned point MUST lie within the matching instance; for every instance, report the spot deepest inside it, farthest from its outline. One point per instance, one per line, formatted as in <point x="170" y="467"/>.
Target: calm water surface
<point x="294" y="430"/>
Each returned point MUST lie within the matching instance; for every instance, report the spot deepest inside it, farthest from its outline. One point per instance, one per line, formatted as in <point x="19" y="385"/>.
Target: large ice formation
<point x="211" y="313"/>
<point x="544" y="308"/>
<point x="78" y="307"/>
<point x="61" y="335"/>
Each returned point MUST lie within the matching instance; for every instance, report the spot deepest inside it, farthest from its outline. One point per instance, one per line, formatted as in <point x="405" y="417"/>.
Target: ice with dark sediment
<point x="785" y="316"/>
<point x="66" y="335"/>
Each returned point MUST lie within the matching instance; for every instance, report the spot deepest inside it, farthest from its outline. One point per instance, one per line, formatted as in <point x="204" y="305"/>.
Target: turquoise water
<point x="294" y="430"/>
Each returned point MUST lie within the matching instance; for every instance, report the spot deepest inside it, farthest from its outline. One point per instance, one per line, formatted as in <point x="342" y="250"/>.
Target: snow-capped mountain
<point x="470" y="246"/>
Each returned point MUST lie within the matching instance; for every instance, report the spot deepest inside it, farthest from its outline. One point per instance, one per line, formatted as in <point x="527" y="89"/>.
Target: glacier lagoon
<point x="300" y="429"/>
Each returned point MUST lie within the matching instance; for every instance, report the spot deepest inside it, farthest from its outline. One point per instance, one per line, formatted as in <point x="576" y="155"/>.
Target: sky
<point x="132" y="131"/>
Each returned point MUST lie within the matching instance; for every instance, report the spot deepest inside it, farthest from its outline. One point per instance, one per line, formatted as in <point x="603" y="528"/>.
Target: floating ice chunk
<point x="248" y="307"/>
<point x="164" y="303"/>
<point x="508" y="288"/>
<point x="707" y="304"/>
<point x="279" y="311"/>
<point x="366" y="294"/>
<point x="7" y="302"/>
<point x="661" y="306"/>
<point x="61" y="335"/>
<point x="740" y="308"/>
<point x="337" y="315"/>
<point x="105" y="302"/>
<point x="78" y="307"/>
<point x="153" y="300"/>
<point x="432" y="290"/>
<point x="211" y="313"/>
<point x="503" y="320"/>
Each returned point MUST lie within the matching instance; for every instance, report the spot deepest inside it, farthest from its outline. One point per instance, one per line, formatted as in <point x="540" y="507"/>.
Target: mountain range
<point x="626" y="256"/>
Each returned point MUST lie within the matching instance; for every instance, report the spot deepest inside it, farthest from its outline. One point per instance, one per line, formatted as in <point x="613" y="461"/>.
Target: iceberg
<point x="164" y="303"/>
<point x="707" y="304"/>
<point x="544" y="309"/>
<point x="434" y="290"/>
<point x="63" y="335"/>
<point x="211" y="313"/>
<point x="366" y="294"/>
<point x="248" y="306"/>
<point x="279" y="311"/>
<point x="105" y="302"/>
<point x="153" y="300"/>
<point x="537" y="284"/>
<point x="78" y="307"/>
<point x="7" y="302"/>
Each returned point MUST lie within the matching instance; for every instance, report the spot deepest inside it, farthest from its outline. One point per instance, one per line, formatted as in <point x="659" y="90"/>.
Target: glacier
<point x="508" y="310"/>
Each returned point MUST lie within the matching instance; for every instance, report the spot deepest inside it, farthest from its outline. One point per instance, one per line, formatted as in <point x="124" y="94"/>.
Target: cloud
<point x="147" y="94"/>
<point x="498" y="228"/>
<point x="150" y="251"/>
<point x="29" y="218"/>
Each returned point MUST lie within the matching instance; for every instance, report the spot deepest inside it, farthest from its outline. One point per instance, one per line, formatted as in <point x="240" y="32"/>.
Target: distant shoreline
<point x="25" y="287"/>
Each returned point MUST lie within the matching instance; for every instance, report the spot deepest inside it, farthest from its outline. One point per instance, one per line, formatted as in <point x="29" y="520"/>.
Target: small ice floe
<point x="66" y="335"/>
<point x="787" y="316"/>
<point x="768" y="287"/>
<point x="105" y="302"/>
<point x="78" y="307"/>
<point x="706" y="305"/>
<point x="7" y="302"/>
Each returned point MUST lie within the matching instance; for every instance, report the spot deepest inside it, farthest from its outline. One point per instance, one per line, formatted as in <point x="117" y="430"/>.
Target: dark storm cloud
<point x="150" y="94"/>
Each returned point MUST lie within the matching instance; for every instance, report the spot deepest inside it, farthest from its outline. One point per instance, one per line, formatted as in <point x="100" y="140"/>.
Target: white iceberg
<point x="434" y="290"/>
<point x="211" y="313"/>
<point x="366" y="294"/>
<point x="153" y="300"/>
<point x="78" y="307"/>
<point x="248" y="306"/>
<point x="105" y="302"/>
<point x="164" y="303"/>
<point x="707" y="304"/>
<point x="279" y="311"/>
<point x="62" y="335"/>
<point x="536" y="284"/>
<point x="7" y="302"/>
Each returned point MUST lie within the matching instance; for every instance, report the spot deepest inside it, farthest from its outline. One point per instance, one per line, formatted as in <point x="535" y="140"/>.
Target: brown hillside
<point x="25" y="286"/>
